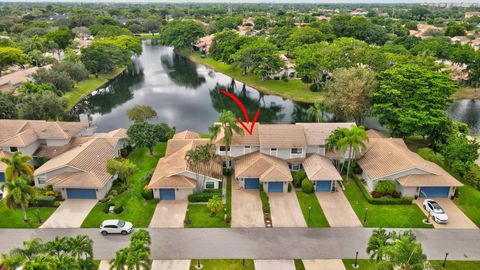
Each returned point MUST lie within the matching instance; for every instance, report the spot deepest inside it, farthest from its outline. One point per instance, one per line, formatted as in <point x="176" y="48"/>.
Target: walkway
<point x="285" y="210"/>
<point x="70" y="214"/>
<point x="169" y="214"/>
<point x="337" y="209"/>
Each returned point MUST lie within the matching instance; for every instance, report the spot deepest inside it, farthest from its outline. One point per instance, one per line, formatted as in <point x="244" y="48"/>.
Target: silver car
<point x="116" y="226"/>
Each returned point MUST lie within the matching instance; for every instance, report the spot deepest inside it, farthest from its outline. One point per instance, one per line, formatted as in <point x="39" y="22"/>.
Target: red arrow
<point x="240" y="104"/>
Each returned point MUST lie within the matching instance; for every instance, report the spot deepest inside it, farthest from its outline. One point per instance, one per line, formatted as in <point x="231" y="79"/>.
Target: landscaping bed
<point x="372" y="200"/>
<point x="265" y="207"/>
<point x="135" y="208"/>
<point x="317" y="217"/>
<point x="224" y="264"/>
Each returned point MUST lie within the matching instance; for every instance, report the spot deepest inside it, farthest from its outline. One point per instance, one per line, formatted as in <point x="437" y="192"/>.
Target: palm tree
<point x="193" y="160"/>
<point x="65" y="262"/>
<point x="120" y="260"/>
<point x="317" y="111"/>
<point x="136" y="256"/>
<point x="30" y="249"/>
<point x="20" y="193"/>
<point x="80" y="246"/>
<point x="41" y="262"/>
<point x="227" y="125"/>
<point x="378" y="243"/>
<point x="215" y="205"/>
<point x="18" y="166"/>
<point x="58" y="246"/>
<point x="404" y="254"/>
<point x="206" y="155"/>
<point x="353" y="141"/>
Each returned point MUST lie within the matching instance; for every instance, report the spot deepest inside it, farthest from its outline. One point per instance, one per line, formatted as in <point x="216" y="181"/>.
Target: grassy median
<point x="317" y="217"/>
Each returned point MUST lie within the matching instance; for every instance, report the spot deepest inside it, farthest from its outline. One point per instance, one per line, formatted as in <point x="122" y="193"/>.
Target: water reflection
<point x="181" y="70"/>
<point x="468" y="111"/>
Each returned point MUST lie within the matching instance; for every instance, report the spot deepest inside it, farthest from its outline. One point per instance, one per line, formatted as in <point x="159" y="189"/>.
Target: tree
<point x="60" y="79"/>
<point x="459" y="151"/>
<point x="215" y="205"/>
<point x="348" y="93"/>
<point x="405" y="253"/>
<point x="28" y="88"/>
<point x="101" y="30"/>
<point x="20" y="193"/>
<point x="259" y="57"/>
<point x="151" y="26"/>
<point x="181" y="34"/>
<point x="59" y="40"/>
<point x="141" y="113"/>
<point x="80" y="247"/>
<point x="8" y="108"/>
<point x="227" y="126"/>
<point x="127" y="43"/>
<point x="353" y="140"/>
<point x="46" y="106"/>
<point x="75" y="70"/>
<point x="317" y="111"/>
<point x="136" y="256"/>
<point x="81" y="32"/>
<point x="279" y="35"/>
<point x="104" y="57"/>
<point x="123" y="168"/>
<point x="143" y="134"/>
<point x="378" y="243"/>
<point x="455" y="29"/>
<point x="10" y="56"/>
<point x="412" y="100"/>
<point x="302" y="36"/>
<point x="225" y="44"/>
<point x="18" y="166"/>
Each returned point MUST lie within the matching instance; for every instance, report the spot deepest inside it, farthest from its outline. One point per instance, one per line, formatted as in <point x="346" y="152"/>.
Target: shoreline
<point x="467" y="93"/>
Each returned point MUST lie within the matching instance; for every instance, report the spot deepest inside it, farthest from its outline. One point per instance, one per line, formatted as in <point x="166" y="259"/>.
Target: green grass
<point x="437" y="265"/>
<point x="317" y="217"/>
<point x="469" y="200"/>
<point x="199" y="215"/>
<point x="385" y="216"/>
<point x="85" y="87"/>
<point x="13" y="218"/>
<point x="229" y="195"/>
<point x="147" y="36"/>
<point x="224" y="264"/>
<point x="467" y="93"/>
<point x="299" y="264"/>
<point x="363" y="263"/>
<point x="137" y="210"/>
<point x="293" y="89"/>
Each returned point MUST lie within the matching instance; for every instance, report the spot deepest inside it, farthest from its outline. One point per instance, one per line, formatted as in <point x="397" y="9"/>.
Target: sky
<point x="253" y="1"/>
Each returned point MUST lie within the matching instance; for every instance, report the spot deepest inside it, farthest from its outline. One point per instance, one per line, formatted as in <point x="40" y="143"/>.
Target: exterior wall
<point x="29" y="149"/>
<point x="284" y="153"/>
<point x="57" y="142"/>
<point x="120" y="145"/>
<point x="371" y="183"/>
<point x="101" y="193"/>
<point x="317" y="149"/>
<point x="51" y="174"/>
<point x="237" y="150"/>
<point x="408" y="191"/>
<point x="193" y="176"/>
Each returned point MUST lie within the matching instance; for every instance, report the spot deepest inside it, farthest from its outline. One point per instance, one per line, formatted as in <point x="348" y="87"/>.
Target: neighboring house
<point x="476" y="43"/>
<point x="58" y="16"/>
<point x="471" y="14"/>
<point x="461" y="39"/>
<point x="390" y="159"/>
<point x="81" y="172"/>
<point x="174" y="179"/>
<point x="203" y="44"/>
<point x="15" y="79"/>
<point x="288" y="69"/>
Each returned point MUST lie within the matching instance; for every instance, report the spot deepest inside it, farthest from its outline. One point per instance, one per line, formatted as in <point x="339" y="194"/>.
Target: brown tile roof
<point x="53" y="151"/>
<point x="387" y="156"/>
<point x="22" y="139"/>
<point x="281" y="136"/>
<point x="428" y="180"/>
<point x="186" y="134"/>
<point x="262" y="166"/>
<point x="117" y="133"/>
<point x="317" y="133"/>
<point x="376" y="134"/>
<point x="241" y="139"/>
<point x="320" y="168"/>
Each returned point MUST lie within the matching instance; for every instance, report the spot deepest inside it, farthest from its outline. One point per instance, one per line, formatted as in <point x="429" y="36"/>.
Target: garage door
<point x="78" y="193"/>
<point x="275" y="187"/>
<point x="2" y="177"/>
<point x="434" y="192"/>
<point x="167" y="194"/>
<point x="323" y="186"/>
<point x="251" y="183"/>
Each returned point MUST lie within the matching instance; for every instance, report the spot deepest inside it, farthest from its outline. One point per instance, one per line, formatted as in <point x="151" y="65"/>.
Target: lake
<point x="186" y="95"/>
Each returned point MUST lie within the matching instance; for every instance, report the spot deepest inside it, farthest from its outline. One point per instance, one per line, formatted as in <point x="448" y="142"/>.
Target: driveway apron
<point x="169" y="214"/>
<point x="171" y="265"/>
<point x="285" y="210"/>
<point x="274" y="265"/>
<point x="337" y="209"/>
<point x="323" y="265"/>
<point x="70" y="214"/>
<point x="246" y="208"/>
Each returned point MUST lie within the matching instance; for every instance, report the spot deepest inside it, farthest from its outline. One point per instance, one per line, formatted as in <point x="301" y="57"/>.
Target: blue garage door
<point x="167" y="194"/>
<point x="251" y="183"/>
<point x="79" y="193"/>
<point x="434" y="192"/>
<point x="323" y="186"/>
<point x="275" y="187"/>
<point x="2" y="177"/>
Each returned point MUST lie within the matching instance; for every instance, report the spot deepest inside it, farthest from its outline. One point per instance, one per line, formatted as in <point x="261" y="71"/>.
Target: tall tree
<point x="20" y="193"/>
<point x="141" y="113"/>
<point x="42" y="106"/>
<point x="59" y="40"/>
<point x="143" y="134"/>
<point x="353" y="141"/>
<point x="227" y="126"/>
<point x="317" y="111"/>
<point x="18" y="166"/>
<point x="181" y="34"/>
<point x="10" y="56"/>
<point x="378" y="243"/>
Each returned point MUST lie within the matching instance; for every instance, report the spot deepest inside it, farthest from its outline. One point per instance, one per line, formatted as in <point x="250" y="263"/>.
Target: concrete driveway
<point x="171" y="265"/>
<point x="285" y="210"/>
<point x="246" y="208"/>
<point x="169" y="214"/>
<point x="323" y="265"/>
<point x="456" y="218"/>
<point x="274" y="264"/>
<point x="70" y="214"/>
<point x="337" y="209"/>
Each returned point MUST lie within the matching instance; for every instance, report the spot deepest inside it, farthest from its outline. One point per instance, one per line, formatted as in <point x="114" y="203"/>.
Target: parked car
<point x="116" y="226"/>
<point x="436" y="211"/>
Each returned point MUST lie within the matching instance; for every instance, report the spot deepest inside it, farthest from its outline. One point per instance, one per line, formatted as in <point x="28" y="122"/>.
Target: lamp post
<point x="309" y="210"/>
<point x="355" y="265"/>
<point x="445" y="260"/>
<point x="365" y="217"/>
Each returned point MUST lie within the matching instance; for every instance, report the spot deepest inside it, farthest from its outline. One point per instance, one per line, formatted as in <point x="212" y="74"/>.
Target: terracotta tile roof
<point x="262" y="166"/>
<point x="175" y="181"/>
<point x="22" y="139"/>
<point x="387" y="156"/>
<point x="376" y="134"/>
<point x="426" y="180"/>
<point x="117" y="133"/>
<point x="53" y="151"/>
<point x="186" y="134"/>
<point x="241" y="139"/>
<point x="317" y="133"/>
<point x="281" y="136"/>
<point x="4" y="154"/>
<point x="12" y="80"/>
<point x="320" y="168"/>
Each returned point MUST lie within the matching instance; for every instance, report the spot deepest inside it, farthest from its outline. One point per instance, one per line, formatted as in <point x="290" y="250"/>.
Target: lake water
<point x="186" y="95"/>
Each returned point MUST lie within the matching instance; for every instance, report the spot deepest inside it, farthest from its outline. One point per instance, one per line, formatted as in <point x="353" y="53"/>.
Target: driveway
<point x="171" y="265"/>
<point x="104" y="265"/>
<point x="70" y="214"/>
<point x="456" y="218"/>
<point x="337" y="209"/>
<point x="169" y="214"/>
<point x="246" y="207"/>
<point x="285" y="210"/>
<point x="323" y="265"/>
<point x="274" y="264"/>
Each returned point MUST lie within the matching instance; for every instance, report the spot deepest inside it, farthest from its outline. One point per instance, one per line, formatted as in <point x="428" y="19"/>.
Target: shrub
<point x="376" y="194"/>
<point x="147" y="194"/>
<point x="61" y="79"/>
<point x="307" y="186"/>
<point x="472" y="176"/>
<point x="119" y="209"/>
<point x="204" y="196"/>
<point x="75" y="70"/>
<point x="106" y="209"/>
<point x="145" y="180"/>
<point x="51" y="193"/>
<point x="48" y="188"/>
<point x="430" y="155"/>
<point x="227" y="171"/>
<point x="228" y="219"/>
<point x="289" y="187"/>
<point x="380" y="201"/>
<point x="265" y="200"/>
<point x="44" y="201"/>
<point x="298" y="176"/>
<point x="395" y="195"/>
<point x="385" y="187"/>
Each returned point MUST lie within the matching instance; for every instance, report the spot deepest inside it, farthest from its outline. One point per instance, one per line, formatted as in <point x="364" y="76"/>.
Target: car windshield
<point x="437" y="209"/>
<point x="121" y="223"/>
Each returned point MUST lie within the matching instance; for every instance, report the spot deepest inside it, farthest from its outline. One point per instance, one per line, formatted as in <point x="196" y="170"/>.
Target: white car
<point x="116" y="226"/>
<point x="436" y="211"/>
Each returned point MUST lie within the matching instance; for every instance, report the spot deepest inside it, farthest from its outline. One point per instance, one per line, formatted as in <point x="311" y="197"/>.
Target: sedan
<point x="434" y="209"/>
<point x="116" y="226"/>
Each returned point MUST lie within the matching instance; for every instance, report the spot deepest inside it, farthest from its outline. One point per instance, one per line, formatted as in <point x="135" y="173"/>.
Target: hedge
<point x="265" y="200"/>
<point x="45" y="201"/>
<point x="204" y="196"/>
<point x="147" y="194"/>
<point x="366" y="195"/>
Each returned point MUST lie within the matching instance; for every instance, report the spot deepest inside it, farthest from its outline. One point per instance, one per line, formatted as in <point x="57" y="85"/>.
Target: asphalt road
<point x="258" y="243"/>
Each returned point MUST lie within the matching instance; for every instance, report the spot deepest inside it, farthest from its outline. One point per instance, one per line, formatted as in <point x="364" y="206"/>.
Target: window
<point x="297" y="151"/>
<point x="13" y="149"/>
<point x="224" y="148"/>
<point x="227" y="164"/>
<point x="41" y="180"/>
<point x="295" y="167"/>
<point x="210" y="184"/>
<point x="247" y="147"/>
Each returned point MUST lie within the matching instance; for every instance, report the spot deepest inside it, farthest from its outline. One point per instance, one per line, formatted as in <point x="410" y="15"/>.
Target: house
<point x="462" y="39"/>
<point x="174" y="178"/>
<point x="390" y="159"/>
<point x="288" y="69"/>
<point x="476" y="43"/>
<point x="13" y="80"/>
<point x="203" y="44"/>
<point x="81" y="171"/>
<point x="58" y="16"/>
<point x="471" y="14"/>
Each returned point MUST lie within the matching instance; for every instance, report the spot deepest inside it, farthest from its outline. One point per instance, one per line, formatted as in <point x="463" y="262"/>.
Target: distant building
<point x="471" y="14"/>
<point x="13" y="80"/>
<point x="462" y="39"/>
<point x="57" y="16"/>
<point x="203" y="44"/>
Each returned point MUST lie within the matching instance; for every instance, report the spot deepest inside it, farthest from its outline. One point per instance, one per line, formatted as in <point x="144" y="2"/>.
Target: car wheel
<point x="124" y="233"/>
<point x="104" y="233"/>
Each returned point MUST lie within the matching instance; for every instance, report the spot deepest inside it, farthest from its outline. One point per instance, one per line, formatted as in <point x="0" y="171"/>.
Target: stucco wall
<point x="284" y="153"/>
<point x="237" y="150"/>
<point x="29" y="149"/>
<point x="51" y="174"/>
<point x="57" y="142"/>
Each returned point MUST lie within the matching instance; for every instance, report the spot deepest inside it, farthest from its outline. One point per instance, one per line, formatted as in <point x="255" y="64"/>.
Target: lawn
<point x="363" y="263"/>
<point x="317" y="217"/>
<point x="468" y="201"/>
<point x="437" y="265"/>
<point x="224" y="264"/>
<point x="199" y="215"/>
<point x="85" y="87"/>
<point x="467" y="93"/>
<point x="293" y="89"/>
<point x="137" y="210"/>
<point x="13" y="218"/>
<point x="299" y="264"/>
<point x="384" y="216"/>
